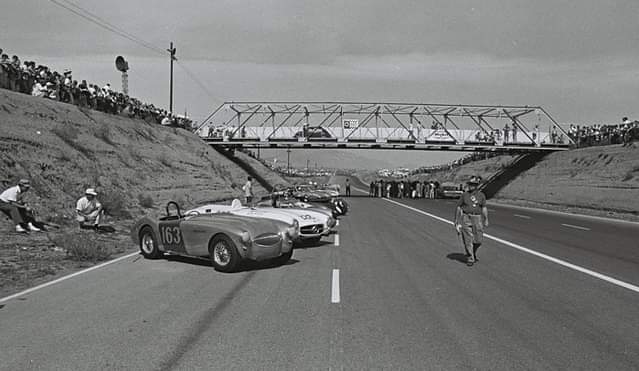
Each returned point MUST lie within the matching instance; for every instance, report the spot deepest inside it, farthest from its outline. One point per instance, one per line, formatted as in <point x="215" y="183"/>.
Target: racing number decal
<point x="171" y="236"/>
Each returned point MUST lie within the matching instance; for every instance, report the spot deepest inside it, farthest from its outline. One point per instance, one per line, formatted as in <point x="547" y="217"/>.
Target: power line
<point x="196" y="80"/>
<point x="85" y="14"/>
<point x="101" y="22"/>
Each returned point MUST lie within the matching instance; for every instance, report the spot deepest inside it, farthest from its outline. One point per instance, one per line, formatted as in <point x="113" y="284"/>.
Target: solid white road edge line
<point x="336" y="242"/>
<point x="575" y="227"/>
<point x="522" y="216"/>
<point x="589" y="272"/>
<point x="46" y="284"/>
<point x="335" y="298"/>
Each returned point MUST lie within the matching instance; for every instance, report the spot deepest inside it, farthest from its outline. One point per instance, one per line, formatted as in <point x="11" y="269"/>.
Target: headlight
<point x="292" y="232"/>
<point x="245" y="237"/>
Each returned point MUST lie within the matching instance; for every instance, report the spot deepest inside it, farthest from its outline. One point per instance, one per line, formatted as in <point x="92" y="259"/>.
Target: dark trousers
<point x="17" y="214"/>
<point x="348" y="191"/>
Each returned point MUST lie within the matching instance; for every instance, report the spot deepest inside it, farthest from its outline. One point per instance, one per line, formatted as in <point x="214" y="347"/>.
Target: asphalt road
<point x="405" y="301"/>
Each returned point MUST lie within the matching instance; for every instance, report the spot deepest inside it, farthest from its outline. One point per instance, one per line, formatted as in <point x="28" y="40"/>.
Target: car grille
<point x="267" y="239"/>
<point x="312" y="229"/>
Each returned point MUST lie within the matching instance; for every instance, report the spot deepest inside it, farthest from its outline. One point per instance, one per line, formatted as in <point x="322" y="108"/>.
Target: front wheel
<point x="148" y="244"/>
<point x="284" y="258"/>
<point x="224" y="255"/>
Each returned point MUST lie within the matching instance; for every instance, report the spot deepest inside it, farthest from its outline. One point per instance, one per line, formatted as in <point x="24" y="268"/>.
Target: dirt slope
<point x="602" y="180"/>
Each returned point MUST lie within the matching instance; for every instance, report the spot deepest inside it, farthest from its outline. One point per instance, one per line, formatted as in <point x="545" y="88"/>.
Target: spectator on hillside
<point x="12" y="205"/>
<point x="39" y="90"/>
<point x="248" y="191"/>
<point x="89" y="210"/>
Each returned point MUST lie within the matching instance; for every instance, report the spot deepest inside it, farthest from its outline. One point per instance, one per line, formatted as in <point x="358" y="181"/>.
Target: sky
<point x="576" y="58"/>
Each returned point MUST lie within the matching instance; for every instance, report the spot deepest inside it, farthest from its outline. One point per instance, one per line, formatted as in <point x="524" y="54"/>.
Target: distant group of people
<point x="403" y="189"/>
<point x="89" y="211"/>
<point x="40" y="81"/>
<point x="595" y="135"/>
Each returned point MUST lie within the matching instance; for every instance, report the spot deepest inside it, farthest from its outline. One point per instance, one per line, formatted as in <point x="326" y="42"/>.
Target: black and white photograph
<point x="319" y="185"/>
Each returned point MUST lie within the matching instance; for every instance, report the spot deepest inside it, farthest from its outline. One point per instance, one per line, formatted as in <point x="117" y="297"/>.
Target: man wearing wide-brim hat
<point x="88" y="209"/>
<point x="471" y="217"/>
<point x="12" y="205"/>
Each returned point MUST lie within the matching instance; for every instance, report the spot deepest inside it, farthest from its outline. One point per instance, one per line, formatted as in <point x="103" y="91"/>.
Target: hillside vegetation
<point x="136" y="167"/>
<point x="599" y="180"/>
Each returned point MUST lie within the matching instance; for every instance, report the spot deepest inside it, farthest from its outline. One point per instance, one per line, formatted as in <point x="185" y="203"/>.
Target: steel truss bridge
<point x="383" y="126"/>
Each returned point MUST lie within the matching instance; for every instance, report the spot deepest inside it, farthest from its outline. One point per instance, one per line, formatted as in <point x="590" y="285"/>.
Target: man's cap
<point x="24" y="182"/>
<point x="91" y="191"/>
<point x="475" y="179"/>
<point x="67" y="71"/>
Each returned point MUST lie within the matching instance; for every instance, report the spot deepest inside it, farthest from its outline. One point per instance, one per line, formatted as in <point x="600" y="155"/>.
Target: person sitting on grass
<point x="11" y="204"/>
<point x="89" y="211"/>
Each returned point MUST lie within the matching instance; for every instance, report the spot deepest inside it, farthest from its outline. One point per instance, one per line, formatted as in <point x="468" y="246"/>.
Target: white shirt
<point x="85" y="206"/>
<point x="10" y="194"/>
<point x="248" y="189"/>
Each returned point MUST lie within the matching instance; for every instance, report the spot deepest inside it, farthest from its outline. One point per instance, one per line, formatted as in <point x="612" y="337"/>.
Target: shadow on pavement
<point x="310" y="244"/>
<point x="457" y="257"/>
<point x="245" y="266"/>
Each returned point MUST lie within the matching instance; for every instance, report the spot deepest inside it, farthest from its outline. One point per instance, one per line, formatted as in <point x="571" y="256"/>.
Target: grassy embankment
<point x="136" y="167"/>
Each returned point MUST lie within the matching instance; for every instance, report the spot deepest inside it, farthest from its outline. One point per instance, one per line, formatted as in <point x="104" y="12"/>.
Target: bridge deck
<point x="388" y="145"/>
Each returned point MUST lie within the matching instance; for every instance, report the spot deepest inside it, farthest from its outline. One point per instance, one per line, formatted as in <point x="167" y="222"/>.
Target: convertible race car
<point x="226" y="238"/>
<point x="312" y="224"/>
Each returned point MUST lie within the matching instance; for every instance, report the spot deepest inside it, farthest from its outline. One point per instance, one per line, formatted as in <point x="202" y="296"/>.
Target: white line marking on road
<point x="522" y="216"/>
<point x="335" y="298"/>
<point x="336" y="242"/>
<point x="566" y="264"/>
<point x="575" y="227"/>
<point x="337" y="223"/>
<point x="28" y="291"/>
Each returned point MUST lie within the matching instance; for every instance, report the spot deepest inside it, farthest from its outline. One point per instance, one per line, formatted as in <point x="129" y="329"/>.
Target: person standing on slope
<point x="248" y="191"/>
<point x="471" y="217"/>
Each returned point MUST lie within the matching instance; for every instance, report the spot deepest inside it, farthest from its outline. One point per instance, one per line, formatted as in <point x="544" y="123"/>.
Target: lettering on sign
<point x="350" y="123"/>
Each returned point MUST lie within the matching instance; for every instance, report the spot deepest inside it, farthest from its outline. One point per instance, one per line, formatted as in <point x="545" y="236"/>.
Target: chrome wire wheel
<point x="147" y="244"/>
<point x="221" y="253"/>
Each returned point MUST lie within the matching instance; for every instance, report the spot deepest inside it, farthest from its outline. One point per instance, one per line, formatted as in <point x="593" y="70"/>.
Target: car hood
<point x="255" y="226"/>
<point x="303" y="216"/>
<point x="245" y="211"/>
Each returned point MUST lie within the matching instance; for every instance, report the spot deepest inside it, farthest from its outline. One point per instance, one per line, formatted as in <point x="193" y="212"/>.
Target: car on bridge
<point x="227" y="239"/>
<point x="314" y="132"/>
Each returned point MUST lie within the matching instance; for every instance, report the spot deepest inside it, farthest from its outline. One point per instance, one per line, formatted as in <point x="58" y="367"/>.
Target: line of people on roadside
<point x="404" y="188"/>
<point x="89" y="211"/>
<point x="598" y="134"/>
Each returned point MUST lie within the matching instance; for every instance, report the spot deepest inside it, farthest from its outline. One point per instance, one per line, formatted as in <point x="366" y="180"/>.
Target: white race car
<point x="312" y="224"/>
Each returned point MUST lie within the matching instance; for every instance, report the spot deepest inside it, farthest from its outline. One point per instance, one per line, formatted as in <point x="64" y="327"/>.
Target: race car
<point x="227" y="239"/>
<point x="313" y="225"/>
<point x="336" y="207"/>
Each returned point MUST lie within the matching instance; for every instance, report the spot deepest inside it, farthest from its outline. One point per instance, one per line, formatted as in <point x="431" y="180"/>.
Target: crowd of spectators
<point x="40" y="81"/>
<point x="599" y="135"/>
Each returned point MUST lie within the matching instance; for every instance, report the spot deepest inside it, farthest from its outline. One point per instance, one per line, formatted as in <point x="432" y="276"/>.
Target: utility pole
<point x="288" y="161"/>
<point x="171" y="51"/>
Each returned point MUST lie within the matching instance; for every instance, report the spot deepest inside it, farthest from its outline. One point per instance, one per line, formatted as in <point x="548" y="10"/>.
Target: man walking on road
<point x="348" y="187"/>
<point x="471" y="217"/>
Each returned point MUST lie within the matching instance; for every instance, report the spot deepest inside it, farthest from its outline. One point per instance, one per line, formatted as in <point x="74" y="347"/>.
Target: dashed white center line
<point x="522" y="216"/>
<point x="335" y="298"/>
<point x="336" y="242"/>
<point x="337" y="223"/>
<point x="576" y="227"/>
